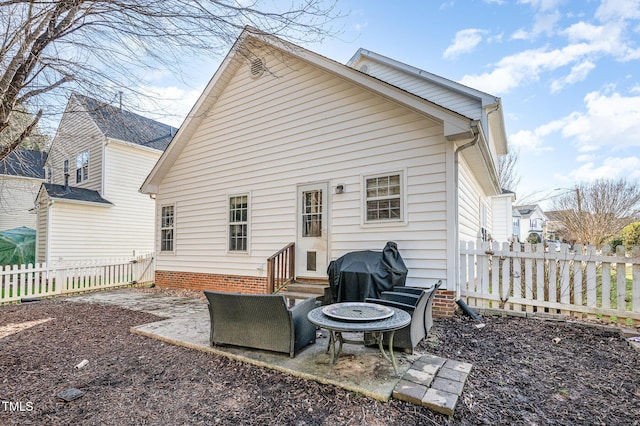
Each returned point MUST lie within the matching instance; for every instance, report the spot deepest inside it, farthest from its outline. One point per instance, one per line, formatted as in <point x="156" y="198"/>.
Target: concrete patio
<point x="422" y="379"/>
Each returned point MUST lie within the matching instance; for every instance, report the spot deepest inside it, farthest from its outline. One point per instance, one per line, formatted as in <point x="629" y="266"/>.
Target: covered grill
<point x="361" y="274"/>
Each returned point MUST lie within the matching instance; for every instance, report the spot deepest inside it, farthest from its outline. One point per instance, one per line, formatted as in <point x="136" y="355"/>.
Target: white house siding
<point x="502" y="214"/>
<point x="82" y="231"/>
<point x="67" y="145"/>
<point x="465" y="105"/>
<point x="132" y="216"/>
<point x="266" y="136"/>
<point x="470" y="195"/>
<point x="17" y="195"/>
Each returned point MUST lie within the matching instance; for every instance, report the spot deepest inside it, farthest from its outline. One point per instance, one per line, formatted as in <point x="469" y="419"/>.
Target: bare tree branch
<point x="101" y="47"/>
<point x="594" y="213"/>
<point x="508" y="170"/>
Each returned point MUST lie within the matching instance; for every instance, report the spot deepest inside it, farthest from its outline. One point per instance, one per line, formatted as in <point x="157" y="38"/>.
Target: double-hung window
<point x="238" y="223"/>
<point x="82" y="166"/>
<point x="383" y="198"/>
<point x="166" y="228"/>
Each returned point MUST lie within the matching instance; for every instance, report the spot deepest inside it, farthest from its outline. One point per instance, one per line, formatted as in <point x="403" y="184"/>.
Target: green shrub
<point x="614" y="243"/>
<point x="631" y="235"/>
<point x="534" y="238"/>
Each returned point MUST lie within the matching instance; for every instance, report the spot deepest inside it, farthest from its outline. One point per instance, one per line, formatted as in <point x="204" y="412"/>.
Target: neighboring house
<point x="287" y="146"/>
<point x="90" y="206"/>
<point x="21" y="174"/>
<point x="556" y="229"/>
<point x="502" y="207"/>
<point x="532" y="221"/>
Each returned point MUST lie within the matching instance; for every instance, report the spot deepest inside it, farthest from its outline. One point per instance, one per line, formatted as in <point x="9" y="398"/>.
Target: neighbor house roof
<point x="117" y="123"/>
<point x="74" y="194"/>
<point x="456" y="126"/>
<point x="527" y="210"/>
<point x="24" y="163"/>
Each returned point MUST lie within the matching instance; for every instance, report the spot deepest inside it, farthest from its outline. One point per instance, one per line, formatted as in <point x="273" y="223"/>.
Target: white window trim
<point x="85" y="177"/>
<point x="228" y="223"/>
<point x="175" y="211"/>
<point x="402" y="221"/>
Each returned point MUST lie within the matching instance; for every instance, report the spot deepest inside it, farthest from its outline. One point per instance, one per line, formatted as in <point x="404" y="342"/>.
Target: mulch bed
<point x="520" y="376"/>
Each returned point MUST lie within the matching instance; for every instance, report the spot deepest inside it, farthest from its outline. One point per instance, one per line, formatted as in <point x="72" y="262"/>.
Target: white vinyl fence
<point x="42" y="280"/>
<point x="583" y="283"/>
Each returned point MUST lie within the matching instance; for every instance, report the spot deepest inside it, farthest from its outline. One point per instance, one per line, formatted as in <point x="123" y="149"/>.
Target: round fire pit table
<point x="357" y="317"/>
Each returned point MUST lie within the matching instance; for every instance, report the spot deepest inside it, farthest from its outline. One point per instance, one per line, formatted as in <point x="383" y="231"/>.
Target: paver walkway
<point x="424" y="379"/>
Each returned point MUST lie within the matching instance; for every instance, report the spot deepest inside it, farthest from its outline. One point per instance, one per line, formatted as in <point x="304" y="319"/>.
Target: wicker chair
<point x="260" y="321"/>
<point x="418" y="306"/>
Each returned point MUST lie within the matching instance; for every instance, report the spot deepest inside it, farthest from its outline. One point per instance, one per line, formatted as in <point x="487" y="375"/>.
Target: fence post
<point x="621" y="279"/>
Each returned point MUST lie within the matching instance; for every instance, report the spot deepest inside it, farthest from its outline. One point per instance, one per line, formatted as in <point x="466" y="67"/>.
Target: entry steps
<point x="304" y="288"/>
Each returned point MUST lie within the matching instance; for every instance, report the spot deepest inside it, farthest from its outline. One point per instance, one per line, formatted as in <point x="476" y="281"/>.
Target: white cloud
<point x="169" y="105"/>
<point x="585" y="158"/>
<point x="586" y="44"/>
<point x="360" y="26"/>
<point x="578" y="73"/>
<point x="611" y="168"/>
<point x="521" y="34"/>
<point x="618" y="9"/>
<point x="512" y="71"/>
<point x="528" y="141"/>
<point x="609" y="120"/>
<point x="545" y="22"/>
<point x="464" y="42"/>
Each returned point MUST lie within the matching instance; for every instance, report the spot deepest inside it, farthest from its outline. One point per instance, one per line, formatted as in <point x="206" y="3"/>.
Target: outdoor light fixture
<point x="339" y="189"/>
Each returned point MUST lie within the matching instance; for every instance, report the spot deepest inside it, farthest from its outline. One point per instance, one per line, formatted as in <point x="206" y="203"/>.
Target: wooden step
<point x="302" y="290"/>
<point x="307" y="287"/>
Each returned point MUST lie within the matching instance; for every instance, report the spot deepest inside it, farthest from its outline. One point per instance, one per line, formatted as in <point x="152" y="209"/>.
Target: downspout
<point x="456" y="226"/>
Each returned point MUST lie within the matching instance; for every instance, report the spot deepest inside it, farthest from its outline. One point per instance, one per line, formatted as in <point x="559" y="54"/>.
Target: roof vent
<point x="365" y="69"/>
<point x="256" y="68"/>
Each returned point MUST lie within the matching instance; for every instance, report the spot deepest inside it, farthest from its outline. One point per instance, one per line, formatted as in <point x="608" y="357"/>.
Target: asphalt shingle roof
<point x="25" y="163"/>
<point x="74" y="194"/>
<point x="117" y="123"/>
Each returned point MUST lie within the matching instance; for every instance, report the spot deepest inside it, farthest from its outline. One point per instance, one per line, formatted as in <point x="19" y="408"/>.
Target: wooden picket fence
<point x="18" y="282"/>
<point x="583" y="282"/>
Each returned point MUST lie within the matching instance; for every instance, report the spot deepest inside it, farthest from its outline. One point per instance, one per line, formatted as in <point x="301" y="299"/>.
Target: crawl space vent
<point x="257" y="68"/>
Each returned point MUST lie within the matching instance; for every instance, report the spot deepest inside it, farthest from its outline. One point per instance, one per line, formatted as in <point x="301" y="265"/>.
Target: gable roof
<point x="117" y="123"/>
<point x="74" y="194"/>
<point x="527" y="210"/>
<point x="486" y="102"/>
<point x="456" y="126"/>
<point x="24" y="163"/>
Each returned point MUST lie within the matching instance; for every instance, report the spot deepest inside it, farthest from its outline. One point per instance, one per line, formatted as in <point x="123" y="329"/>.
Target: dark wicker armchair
<point x="260" y="321"/>
<point x="418" y="303"/>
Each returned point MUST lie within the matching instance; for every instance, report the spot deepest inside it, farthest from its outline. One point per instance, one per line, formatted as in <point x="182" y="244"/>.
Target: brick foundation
<point x="444" y="304"/>
<point x="200" y="281"/>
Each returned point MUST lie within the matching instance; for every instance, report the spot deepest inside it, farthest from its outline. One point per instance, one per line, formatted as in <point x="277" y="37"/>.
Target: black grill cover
<point x="361" y="274"/>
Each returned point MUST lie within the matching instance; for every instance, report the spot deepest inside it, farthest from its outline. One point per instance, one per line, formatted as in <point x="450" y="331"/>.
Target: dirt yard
<point x="528" y="372"/>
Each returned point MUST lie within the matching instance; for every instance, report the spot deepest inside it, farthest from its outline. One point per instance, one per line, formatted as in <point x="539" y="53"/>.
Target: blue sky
<point x="568" y="73"/>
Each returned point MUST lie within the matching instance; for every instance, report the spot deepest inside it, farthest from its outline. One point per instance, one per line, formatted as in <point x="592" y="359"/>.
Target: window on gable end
<point x="82" y="167"/>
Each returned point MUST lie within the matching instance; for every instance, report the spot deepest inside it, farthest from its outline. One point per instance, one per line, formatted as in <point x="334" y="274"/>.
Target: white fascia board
<point x="132" y="145"/>
<point x="86" y="203"/>
<point x="486" y="99"/>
